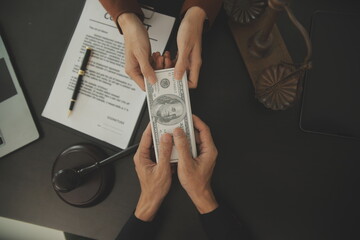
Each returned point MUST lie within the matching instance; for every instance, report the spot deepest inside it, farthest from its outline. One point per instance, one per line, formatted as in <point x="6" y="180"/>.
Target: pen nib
<point x="69" y="113"/>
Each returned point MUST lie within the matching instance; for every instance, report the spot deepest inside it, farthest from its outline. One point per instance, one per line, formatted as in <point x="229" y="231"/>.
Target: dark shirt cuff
<point x="136" y="229"/>
<point x="221" y="224"/>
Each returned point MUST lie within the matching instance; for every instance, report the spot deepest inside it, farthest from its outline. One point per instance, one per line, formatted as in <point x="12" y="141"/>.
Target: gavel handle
<point x="110" y="159"/>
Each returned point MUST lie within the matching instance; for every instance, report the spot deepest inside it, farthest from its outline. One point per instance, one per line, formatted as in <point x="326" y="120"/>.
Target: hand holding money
<point x="169" y="108"/>
<point x="189" y="39"/>
<point x="195" y="173"/>
<point x="137" y="49"/>
<point x="155" y="179"/>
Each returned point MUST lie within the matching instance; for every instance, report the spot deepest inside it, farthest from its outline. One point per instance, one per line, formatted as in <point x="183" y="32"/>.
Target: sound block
<point x="96" y="186"/>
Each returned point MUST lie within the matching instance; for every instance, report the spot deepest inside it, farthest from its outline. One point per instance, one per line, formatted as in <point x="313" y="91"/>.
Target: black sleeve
<point x="222" y="224"/>
<point x="135" y="229"/>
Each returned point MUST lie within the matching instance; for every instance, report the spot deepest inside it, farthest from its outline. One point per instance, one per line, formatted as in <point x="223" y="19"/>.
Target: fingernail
<point x="178" y="77"/>
<point x="166" y="138"/>
<point x="151" y="80"/>
<point x="178" y="132"/>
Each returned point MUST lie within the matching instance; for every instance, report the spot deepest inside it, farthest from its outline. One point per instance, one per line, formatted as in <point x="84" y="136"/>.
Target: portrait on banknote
<point x="168" y="109"/>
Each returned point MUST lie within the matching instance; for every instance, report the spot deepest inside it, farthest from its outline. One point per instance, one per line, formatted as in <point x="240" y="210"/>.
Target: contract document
<point x="109" y="103"/>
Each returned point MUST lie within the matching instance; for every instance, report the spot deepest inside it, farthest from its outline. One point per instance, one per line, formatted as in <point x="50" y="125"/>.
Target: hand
<point x="162" y="62"/>
<point x="195" y="173"/>
<point x="189" y="45"/>
<point x="155" y="178"/>
<point x="137" y="49"/>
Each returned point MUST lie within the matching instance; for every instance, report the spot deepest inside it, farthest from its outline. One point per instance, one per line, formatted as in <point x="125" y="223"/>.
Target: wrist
<point x="196" y="14"/>
<point x="204" y="201"/>
<point x="147" y="208"/>
<point x="127" y="20"/>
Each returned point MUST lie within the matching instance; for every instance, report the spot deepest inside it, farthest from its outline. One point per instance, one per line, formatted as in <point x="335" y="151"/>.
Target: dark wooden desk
<point x="284" y="183"/>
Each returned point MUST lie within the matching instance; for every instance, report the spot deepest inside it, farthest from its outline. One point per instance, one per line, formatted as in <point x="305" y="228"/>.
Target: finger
<point x="147" y="71"/>
<point x="133" y="71"/>
<point x="167" y="54"/>
<point x="173" y="62"/>
<point x="197" y="137"/>
<point x="180" y="69"/>
<point x="159" y="62"/>
<point x="157" y="54"/>
<point x="167" y="60"/>
<point x="145" y="143"/>
<point x="182" y="146"/>
<point x="194" y="71"/>
<point x="153" y="60"/>
<point x="204" y="132"/>
<point x="176" y="57"/>
<point x="168" y="63"/>
<point x="165" y="149"/>
<point x="146" y="138"/>
<point x="181" y="65"/>
<point x="138" y="78"/>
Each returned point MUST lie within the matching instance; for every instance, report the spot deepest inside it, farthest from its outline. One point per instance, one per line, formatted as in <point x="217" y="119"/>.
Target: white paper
<point x="109" y="103"/>
<point x="13" y="229"/>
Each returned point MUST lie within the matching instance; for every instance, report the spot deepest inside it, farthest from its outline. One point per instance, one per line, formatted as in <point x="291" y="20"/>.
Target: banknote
<point x="169" y="108"/>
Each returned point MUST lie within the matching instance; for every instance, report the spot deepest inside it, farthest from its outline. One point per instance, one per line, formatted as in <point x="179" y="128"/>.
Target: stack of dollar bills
<point x="169" y="108"/>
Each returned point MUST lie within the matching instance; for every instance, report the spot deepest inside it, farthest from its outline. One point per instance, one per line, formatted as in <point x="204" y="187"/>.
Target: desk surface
<point x="284" y="183"/>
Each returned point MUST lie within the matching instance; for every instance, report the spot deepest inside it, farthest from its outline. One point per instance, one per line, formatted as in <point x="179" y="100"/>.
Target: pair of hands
<point x="138" y="50"/>
<point x="194" y="173"/>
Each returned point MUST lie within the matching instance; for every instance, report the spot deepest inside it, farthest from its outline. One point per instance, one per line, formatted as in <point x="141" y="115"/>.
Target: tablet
<point x="17" y="127"/>
<point x="331" y="96"/>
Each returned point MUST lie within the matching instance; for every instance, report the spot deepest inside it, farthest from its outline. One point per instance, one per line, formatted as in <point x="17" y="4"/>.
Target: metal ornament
<point x="244" y="11"/>
<point x="277" y="87"/>
<point x="276" y="78"/>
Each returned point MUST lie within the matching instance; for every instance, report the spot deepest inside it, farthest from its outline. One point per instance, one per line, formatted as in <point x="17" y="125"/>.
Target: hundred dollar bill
<point x="169" y="108"/>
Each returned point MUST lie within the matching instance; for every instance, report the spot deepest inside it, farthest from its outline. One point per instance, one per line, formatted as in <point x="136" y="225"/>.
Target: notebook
<point x="17" y="127"/>
<point x="331" y="96"/>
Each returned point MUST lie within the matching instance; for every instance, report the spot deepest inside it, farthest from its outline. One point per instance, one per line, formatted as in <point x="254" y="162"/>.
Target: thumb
<point x="182" y="146"/>
<point x="147" y="70"/>
<point x="180" y="67"/>
<point x="165" y="149"/>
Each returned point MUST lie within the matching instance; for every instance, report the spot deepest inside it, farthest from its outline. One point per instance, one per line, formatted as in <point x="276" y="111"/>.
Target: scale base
<point x="268" y="64"/>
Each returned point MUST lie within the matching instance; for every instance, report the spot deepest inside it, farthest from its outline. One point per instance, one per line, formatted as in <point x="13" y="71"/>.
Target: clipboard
<point x="331" y="96"/>
<point x="118" y="101"/>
